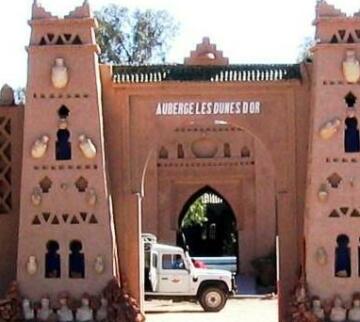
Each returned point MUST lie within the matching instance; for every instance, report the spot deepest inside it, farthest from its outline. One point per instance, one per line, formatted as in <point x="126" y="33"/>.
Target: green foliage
<point x="196" y="214"/>
<point x="134" y="37"/>
<point x="19" y="95"/>
<point x="305" y="53"/>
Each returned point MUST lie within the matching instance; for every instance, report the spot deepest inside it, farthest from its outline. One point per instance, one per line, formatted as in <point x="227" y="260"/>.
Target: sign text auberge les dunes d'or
<point x="208" y="108"/>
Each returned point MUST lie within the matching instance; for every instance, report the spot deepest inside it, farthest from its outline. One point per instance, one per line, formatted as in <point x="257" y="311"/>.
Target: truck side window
<point x="172" y="262"/>
<point x="154" y="260"/>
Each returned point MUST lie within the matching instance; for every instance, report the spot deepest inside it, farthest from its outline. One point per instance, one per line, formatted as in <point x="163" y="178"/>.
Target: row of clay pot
<point x="118" y="305"/>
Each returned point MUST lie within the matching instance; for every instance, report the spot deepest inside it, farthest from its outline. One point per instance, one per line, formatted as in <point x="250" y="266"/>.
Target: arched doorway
<point x="207" y="225"/>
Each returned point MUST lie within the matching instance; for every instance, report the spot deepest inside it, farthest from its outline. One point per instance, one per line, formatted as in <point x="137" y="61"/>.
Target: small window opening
<point x="63" y="146"/>
<point x="76" y="260"/>
<point x="342" y="257"/>
<point x="52" y="260"/>
<point x="352" y="140"/>
<point x="212" y="231"/>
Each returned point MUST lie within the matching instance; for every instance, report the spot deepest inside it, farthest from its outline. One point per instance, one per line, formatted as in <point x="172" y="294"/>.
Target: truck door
<point x="174" y="276"/>
<point x="153" y="272"/>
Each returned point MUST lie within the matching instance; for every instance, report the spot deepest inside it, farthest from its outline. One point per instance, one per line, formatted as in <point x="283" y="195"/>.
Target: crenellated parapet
<point x="206" y="54"/>
<point x="82" y="11"/>
<point x="334" y="26"/>
<point x="38" y="12"/>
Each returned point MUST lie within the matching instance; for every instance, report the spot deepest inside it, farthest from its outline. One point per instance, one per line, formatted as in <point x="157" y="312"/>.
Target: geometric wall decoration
<point x="344" y="211"/>
<point x="346" y="37"/>
<point x="63" y="39"/>
<point x="355" y="213"/>
<point x="5" y="166"/>
<point x="334" y="214"/>
<point x="53" y="219"/>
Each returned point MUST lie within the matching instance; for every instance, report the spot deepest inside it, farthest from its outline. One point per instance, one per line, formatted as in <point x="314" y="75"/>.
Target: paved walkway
<point x="236" y="310"/>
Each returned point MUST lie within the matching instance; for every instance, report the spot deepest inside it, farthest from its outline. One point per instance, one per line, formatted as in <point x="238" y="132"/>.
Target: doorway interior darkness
<point x="207" y="225"/>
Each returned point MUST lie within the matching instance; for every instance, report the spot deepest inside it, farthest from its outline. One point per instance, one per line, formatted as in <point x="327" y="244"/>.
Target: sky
<point x="247" y="31"/>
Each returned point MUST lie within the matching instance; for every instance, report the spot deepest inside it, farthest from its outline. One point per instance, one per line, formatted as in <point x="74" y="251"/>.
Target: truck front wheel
<point x="212" y="299"/>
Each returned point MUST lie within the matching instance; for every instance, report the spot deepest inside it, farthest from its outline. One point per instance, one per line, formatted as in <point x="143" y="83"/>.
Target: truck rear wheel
<point x="212" y="299"/>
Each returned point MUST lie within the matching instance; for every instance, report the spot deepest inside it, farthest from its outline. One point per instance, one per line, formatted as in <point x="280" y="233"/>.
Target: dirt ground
<point x="236" y="310"/>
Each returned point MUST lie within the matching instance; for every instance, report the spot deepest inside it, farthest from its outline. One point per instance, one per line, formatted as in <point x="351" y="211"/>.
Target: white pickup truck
<point x="173" y="276"/>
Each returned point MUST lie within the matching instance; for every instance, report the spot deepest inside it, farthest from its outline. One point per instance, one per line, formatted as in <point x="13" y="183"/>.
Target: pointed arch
<point x="217" y="236"/>
<point x="205" y="189"/>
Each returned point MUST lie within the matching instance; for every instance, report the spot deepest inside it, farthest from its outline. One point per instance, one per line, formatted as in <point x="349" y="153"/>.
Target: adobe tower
<point x="66" y="240"/>
<point x="332" y="215"/>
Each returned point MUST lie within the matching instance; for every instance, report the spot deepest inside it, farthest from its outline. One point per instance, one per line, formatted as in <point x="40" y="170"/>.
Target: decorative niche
<point x="45" y="184"/>
<point x="245" y="152"/>
<point x="163" y="153"/>
<point x="63" y="112"/>
<point x="81" y="184"/>
<point x="350" y="100"/>
<point x="334" y="180"/>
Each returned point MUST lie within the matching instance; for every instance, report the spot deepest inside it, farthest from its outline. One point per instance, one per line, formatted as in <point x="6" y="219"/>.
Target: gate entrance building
<point x="102" y="153"/>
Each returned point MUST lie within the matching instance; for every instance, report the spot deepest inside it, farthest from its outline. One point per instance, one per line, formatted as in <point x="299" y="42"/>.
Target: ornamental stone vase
<point x="59" y="74"/>
<point x="351" y="67"/>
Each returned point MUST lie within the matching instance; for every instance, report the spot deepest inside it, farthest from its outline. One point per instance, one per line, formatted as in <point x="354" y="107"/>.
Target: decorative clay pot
<point x="330" y="128"/>
<point x="323" y="193"/>
<point x="59" y="75"/>
<point x="99" y="265"/>
<point x="204" y="148"/>
<point x="87" y="147"/>
<point x="91" y="197"/>
<point x="31" y="265"/>
<point x="351" y="67"/>
<point x="321" y="256"/>
<point x="39" y="147"/>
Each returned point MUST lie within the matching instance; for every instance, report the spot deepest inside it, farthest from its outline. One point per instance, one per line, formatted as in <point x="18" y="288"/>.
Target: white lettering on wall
<point x="208" y="108"/>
